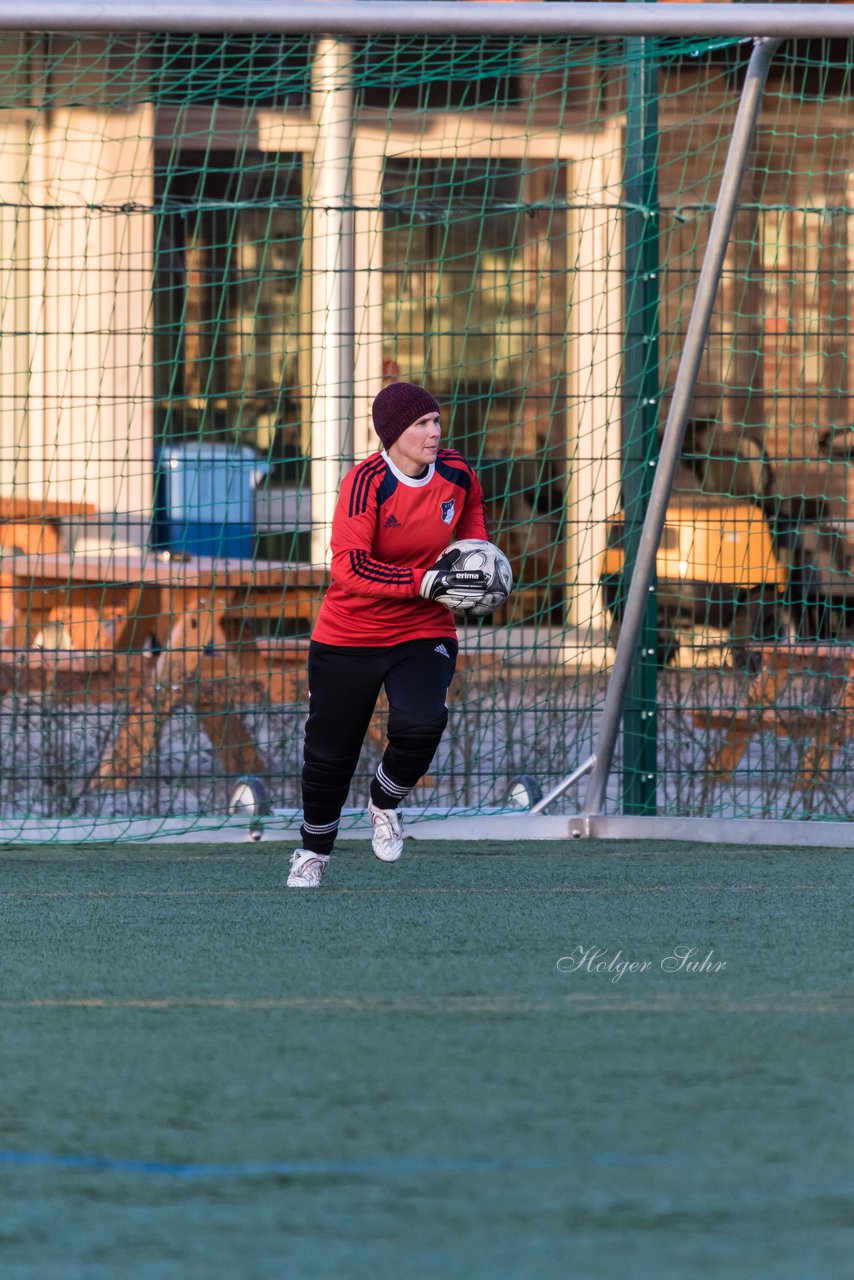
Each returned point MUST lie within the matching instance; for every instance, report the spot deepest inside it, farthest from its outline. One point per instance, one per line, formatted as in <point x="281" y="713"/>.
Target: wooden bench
<point x="157" y="635"/>
<point x="826" y="727"/>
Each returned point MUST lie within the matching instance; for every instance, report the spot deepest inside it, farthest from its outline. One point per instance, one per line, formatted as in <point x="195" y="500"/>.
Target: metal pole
<point x="674" y="432"/>
<point x="366" y="17"/>
<point x="640" y="406"/>
<point x="332" y="295"/>
<point x="564" y="785"/>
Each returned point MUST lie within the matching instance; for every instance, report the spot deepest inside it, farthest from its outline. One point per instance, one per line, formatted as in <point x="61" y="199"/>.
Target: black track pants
<point x="343" y="687"/>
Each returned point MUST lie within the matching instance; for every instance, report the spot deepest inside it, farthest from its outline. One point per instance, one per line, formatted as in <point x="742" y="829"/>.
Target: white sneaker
<point x="387" y="838"/>
<point x="307" y="869"/>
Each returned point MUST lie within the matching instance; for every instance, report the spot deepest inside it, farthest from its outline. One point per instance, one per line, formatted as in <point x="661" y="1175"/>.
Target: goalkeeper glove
<point x="456" y="589"/>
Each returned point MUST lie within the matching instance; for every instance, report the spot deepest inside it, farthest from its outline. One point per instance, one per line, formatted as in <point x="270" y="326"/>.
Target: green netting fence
<point x="216" y="249"/>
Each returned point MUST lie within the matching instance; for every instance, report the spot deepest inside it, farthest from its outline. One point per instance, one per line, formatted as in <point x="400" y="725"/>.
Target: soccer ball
<point x="470" y="554"/>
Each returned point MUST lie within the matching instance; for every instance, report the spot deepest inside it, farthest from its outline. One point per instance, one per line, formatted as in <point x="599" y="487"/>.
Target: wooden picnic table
<point x="823" y="728"/>
<point x="157" y="634"/>
<point x="34" y="525"/>
<point x="161" y="632"/>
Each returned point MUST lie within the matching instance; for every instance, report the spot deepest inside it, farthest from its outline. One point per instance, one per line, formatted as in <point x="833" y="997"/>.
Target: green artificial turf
<point x="207" y="1076"/>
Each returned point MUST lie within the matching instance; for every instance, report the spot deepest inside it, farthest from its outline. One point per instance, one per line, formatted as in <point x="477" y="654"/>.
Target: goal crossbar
<point x="364" y="17"/>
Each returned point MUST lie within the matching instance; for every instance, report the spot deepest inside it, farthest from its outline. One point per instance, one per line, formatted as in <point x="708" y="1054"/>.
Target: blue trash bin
<point x="205" y="499"/>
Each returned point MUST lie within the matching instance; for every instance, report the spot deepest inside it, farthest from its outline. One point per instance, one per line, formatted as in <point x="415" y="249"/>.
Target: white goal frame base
<point x="447" y="825"/>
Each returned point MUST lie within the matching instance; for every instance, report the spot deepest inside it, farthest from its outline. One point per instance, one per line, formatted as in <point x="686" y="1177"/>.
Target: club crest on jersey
<point x="448" y="511"/>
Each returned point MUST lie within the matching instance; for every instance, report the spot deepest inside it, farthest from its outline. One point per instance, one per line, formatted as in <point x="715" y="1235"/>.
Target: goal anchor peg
<point x="249" y="795"/>
<point x="524" y="792"/>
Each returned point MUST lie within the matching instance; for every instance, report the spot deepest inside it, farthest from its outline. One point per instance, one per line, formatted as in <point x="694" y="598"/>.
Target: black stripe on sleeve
<point x="362" y="486"/>
<point x="363" y="566"/>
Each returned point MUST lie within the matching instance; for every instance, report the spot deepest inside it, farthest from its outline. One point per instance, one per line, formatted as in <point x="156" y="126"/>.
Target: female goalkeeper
<point x="385" y="621"/>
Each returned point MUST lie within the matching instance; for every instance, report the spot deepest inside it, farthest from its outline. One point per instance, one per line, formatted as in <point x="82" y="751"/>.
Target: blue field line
<point x="318" y="1168"/>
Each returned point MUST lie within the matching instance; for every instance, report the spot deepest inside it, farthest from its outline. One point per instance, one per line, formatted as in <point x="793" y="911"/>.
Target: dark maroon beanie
<point x="397" y="406"/>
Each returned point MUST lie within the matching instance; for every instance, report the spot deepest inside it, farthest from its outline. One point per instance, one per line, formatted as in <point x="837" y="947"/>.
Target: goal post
<point x="673" y="438"/>
<point x="616" y="240"/>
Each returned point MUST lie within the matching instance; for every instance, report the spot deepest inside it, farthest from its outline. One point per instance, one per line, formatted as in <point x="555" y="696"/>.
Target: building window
<point x="806" y="315"/>
<point x="227" y="302"/>
<point x="475" y="307"/>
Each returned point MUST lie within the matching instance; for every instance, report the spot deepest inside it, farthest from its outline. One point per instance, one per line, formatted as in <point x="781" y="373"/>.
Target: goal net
<point x="215" y="250"/>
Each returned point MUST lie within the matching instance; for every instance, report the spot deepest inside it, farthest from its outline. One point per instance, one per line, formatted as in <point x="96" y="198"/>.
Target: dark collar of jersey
<point x="389" y="484"/>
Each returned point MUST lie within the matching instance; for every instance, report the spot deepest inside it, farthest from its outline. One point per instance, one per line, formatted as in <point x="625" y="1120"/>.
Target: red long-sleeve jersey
<point x="388" y="529"/>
